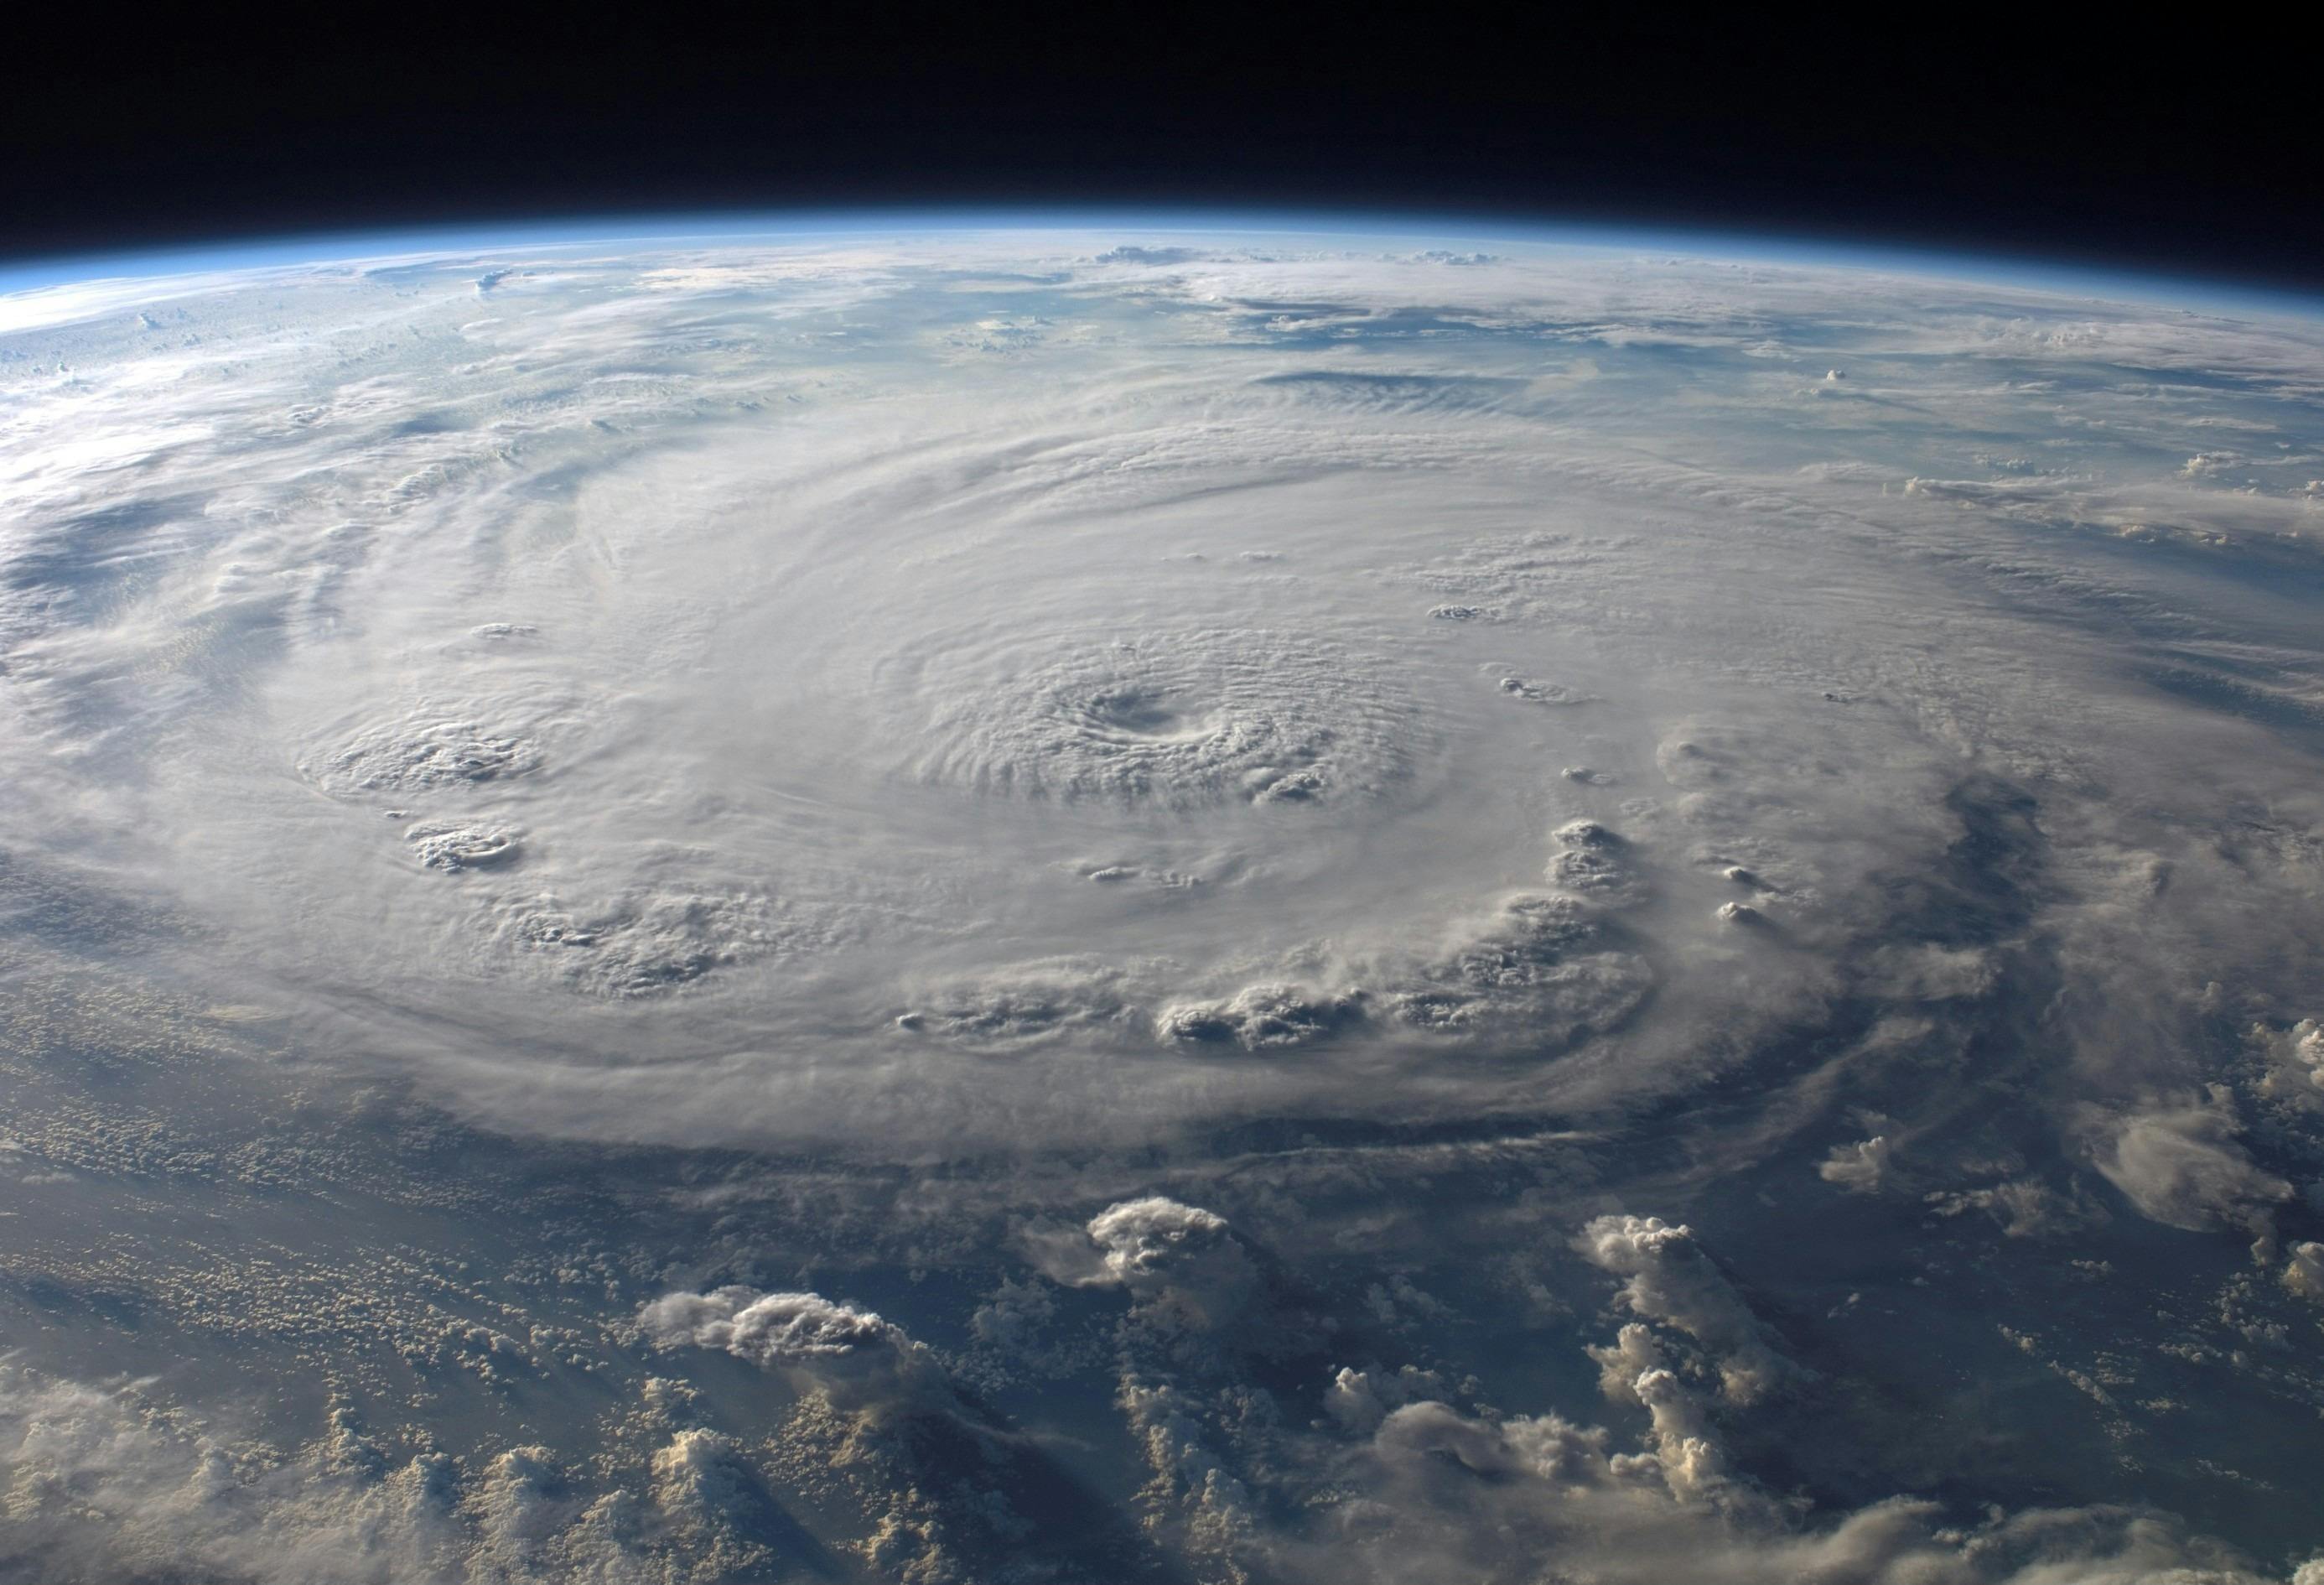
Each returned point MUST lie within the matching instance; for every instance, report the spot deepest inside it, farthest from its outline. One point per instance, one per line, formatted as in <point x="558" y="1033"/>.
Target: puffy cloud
<point x="1178" y="1257"/>
<point x="1194" y="1498"/>
<point x="1258" y="1018"/>
<point x="2304" y="1271"/>
<point x="104" y="1485"/>
<point x="1693" y="1461"/>
<point x="1862" y="1168"/>
<point x="1142" y="1237"/>
<point x="1439" y="1494"/>
<point x="1180" y="1262"/>
<point x="1359" y="1400"/>
<point x="1670" y="1279"/>
<point x="850" y="1354"/>
<point x="1429" y="1429"/>
<point x="1595" y="862"/>
<point x="2294" y="1060"/>
<point x="1620" y="1363"/>
<point x="768" y="1330"/>
<point x="2183" y="1167"/>
<point x="708" y="1500"/>
<point x="1685" y="1453"/>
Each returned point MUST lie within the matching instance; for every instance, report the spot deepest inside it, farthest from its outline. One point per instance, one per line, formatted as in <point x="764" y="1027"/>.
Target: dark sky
<point x="2153" y="148"/>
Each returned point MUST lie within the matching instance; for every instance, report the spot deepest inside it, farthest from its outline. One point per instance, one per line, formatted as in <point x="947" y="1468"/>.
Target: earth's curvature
<point x="1027" y="904"/>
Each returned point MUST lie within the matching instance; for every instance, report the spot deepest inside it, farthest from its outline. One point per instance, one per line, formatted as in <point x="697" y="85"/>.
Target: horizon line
<point x="327" y="246"/>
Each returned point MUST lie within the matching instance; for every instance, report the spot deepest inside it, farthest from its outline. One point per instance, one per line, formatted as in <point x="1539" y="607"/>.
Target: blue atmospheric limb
<point x="1353" y="228"/>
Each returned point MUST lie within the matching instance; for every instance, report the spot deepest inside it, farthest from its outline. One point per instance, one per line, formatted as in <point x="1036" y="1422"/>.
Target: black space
<point x="2145" y="147"/>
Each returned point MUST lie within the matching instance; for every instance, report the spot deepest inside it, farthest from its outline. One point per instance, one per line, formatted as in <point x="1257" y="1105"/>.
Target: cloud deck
<point x="1696" y="969"/>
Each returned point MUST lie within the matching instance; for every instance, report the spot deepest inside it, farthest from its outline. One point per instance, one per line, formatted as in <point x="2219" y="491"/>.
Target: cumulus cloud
<point x="1258" y="1018"/>
<point x="103" y="1488"/>
<point x="1670" y="1280"/>
<point x="851" y="1354"/>
<point x="1194" y="1498"/>
<point x="2303" y="1270"/>
<point x="1865" y="1167"/>
<point x="1593" y="861"/>
<point x="1180" y="1257"/>
<point x="1486" y="1499"/>
<point x="2294" y="1060"/>
<point x="768" y="1329"/>
<point x="104" y="1485"/>
<point x="1359" y="1400"/>
<point x="1440" y="1492"/>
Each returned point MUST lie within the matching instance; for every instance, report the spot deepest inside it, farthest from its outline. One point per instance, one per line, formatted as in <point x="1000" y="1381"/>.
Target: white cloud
<point x="1178" y="1257"/>
<point x="1671" y="1281"/>
<point x="104" y="1485"/>
<point x="852" y="1355"/>
<point x="1446" y="1494"/>
<point x="2303" y="1270"/>
<point x="1865" y="1167"/>
<point x="2295" y="1063"/>
<point x="2183" y="1167"/>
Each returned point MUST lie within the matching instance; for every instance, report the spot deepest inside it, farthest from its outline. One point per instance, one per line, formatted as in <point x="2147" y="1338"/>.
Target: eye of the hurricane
<point x="1186" y="718"/>
<point x="1133" y="714"/>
